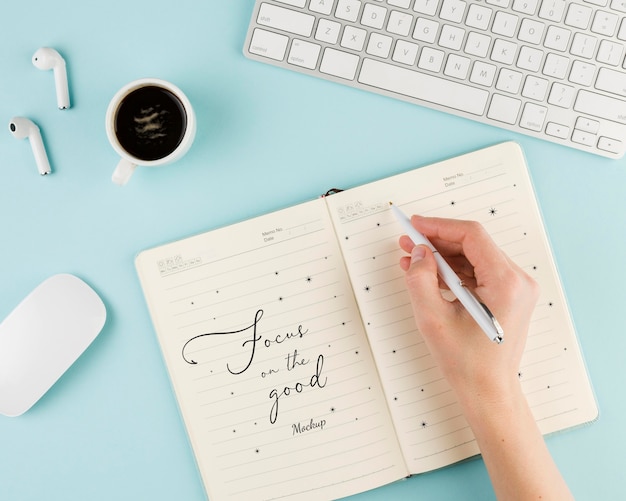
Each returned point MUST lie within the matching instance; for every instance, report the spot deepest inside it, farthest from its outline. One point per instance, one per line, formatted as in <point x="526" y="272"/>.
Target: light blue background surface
<point x="267" y="138"/>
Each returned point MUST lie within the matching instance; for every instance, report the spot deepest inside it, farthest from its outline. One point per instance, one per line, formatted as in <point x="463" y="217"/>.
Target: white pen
<point x="474" y="307"/>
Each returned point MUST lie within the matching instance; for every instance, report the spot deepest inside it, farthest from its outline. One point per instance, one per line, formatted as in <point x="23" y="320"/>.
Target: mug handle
<point x="123" y="171"/>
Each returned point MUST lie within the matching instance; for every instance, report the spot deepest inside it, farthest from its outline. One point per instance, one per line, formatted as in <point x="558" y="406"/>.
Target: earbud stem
<point x="39" y="152"/>
<point x="62" y="89"/>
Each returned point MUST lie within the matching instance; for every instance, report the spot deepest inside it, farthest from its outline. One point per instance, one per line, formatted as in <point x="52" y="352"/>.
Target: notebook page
<point x="493" y="187"/>
<point x="269" y="360"/>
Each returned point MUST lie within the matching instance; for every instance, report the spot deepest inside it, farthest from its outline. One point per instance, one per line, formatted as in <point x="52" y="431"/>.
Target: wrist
<point x="496" y="400"/>
<point x="511" y="444"/>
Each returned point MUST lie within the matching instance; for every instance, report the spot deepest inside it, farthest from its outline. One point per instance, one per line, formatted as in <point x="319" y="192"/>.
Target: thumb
<point x="429" y="307"/>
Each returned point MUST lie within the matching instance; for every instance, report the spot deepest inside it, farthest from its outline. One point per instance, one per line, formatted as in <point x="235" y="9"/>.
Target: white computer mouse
<point x="43" y="336"/>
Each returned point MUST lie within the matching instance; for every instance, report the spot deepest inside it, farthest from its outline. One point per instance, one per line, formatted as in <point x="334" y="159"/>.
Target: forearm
<point x="517" y="459"/>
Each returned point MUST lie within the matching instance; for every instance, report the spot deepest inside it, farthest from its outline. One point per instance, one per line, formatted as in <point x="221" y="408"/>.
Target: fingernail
<point x="418" y="253"/>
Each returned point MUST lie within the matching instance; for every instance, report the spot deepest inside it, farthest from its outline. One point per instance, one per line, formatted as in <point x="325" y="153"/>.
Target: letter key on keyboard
<point x="552" y="69"/>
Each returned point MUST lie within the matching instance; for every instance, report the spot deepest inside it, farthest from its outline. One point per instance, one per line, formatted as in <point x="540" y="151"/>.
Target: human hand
<point x="483" y="373"/>
<point x="471" y="364"/>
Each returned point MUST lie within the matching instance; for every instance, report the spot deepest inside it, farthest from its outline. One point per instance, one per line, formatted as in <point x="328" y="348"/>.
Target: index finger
<point x="477" y="245"/>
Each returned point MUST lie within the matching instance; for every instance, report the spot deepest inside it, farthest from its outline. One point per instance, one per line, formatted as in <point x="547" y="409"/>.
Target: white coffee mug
<point x="149" y="122"/>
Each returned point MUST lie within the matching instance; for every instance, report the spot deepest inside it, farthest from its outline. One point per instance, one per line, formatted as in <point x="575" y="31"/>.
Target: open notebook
<point x="291" y="347"/>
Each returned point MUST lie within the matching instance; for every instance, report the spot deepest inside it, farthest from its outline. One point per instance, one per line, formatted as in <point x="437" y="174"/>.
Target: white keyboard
<point x="552" y="69"/>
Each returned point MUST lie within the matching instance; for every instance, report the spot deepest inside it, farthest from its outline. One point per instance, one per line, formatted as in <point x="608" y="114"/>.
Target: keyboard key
<point x="503" y="51"/>
<point x="587" y="125"/>
<point x="610" y="53"/>
<point x="552" y="10"/>
<point x="483" y="73"/>
<point x="557" y="38"/>
<point x="578" y="16"/>
<point x="304" y="54"/>
<point x="428" y="7"/>
<point x="400" y="3"/>
<point x="601" y="106"/>
<point x="582" y="73"/>
<point x="529" y="58"/>
<point x="327" y="31"/>
<point x="457" y="66"/>
<point x="268" y="44"/>
<point x="451" y="37"/>
<point x="353" y="38"/>
<point x="612" y="81"/>
<point x="431" y="59"/>
<point x="322" y="6"/>
<point x="557" y="130"/>
<point x="531" y="31"/>
<point x="374" y="16"/>
<point x="610" y="145"/>
<point x="288" y="20"/>
<point x="605" y="23"/>
<point x="509" y="81"/>
<point x="399" y="23"/>
<point x="425" y="30"/>
<point x="405" y="52"/>
<point x="562" y="95"/>
<point x="425" y="87"/>
<point x="525" y="6"/>
<point x="583" y="45"/>
<point x="348" y="10"/>
<point x="477" y="44"/>
<point x="478" y="16"/>
<point x="535" y="88"/>
<point x="452" y="10"/>
<point x="504" y="24"/>
<point x="295" y="3"/>
<point x="504" y="109"/>
<point x="379" y="45"/>
<point x="555" y="66"/>
<point x="499" y="3"/>
<point x="340" y="64"/>
<point x="585" y="138"/>
<point x="533" y="117"/>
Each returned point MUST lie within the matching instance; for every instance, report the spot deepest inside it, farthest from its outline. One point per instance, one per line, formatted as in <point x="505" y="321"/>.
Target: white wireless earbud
<point x="47" y="58"/>
<point x="23" y="128"/>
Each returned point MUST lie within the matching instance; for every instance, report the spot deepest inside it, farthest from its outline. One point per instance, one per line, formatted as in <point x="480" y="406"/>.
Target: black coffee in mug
<point x="150" y="123"/>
